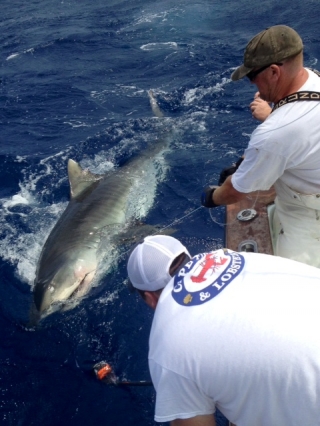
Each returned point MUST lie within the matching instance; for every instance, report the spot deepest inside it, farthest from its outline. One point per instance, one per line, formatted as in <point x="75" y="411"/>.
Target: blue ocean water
<point x="74" y="82"/>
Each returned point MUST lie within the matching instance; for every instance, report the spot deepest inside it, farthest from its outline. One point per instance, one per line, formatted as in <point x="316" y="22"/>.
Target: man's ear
<point x="275" y="71"/>
<point x="151" y="298"/>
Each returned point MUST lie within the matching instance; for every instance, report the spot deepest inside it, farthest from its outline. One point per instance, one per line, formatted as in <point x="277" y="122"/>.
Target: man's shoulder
<point x="314" y="76"/>
<point x="281" y="124"/>
<point x="277" y="266"/>
<point x="265" y="132"/>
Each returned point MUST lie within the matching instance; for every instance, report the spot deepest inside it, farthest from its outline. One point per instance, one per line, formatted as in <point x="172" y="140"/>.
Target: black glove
<point x="228" y="171"/>
<point x="206" y="197"/>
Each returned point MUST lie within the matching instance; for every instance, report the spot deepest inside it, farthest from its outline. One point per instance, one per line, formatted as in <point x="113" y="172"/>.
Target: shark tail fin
<point x="154" y="105"/>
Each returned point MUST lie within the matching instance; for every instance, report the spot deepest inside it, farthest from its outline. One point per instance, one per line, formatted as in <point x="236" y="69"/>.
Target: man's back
<point x="286" y="145"/>
<point x="252" y="349"/>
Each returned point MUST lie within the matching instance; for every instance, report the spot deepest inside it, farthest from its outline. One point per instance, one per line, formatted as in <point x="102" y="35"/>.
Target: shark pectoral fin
<point x="80" y="179"/>
<point x="34" y="316"/>
<point x="139" y="231"/>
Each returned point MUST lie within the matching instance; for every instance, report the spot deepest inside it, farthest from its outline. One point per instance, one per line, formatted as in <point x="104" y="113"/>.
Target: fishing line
<point x="179" y="220"/>
<point x="159" y="231"/>
<point x="228" y="224"/>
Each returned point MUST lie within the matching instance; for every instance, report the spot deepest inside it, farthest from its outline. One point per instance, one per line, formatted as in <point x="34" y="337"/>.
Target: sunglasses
<point x="253" y="74"/>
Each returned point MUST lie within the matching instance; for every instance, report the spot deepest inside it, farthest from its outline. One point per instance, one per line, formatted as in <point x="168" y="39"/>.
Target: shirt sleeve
<point x="259" y="170"/>
<point x="177" y="397"/>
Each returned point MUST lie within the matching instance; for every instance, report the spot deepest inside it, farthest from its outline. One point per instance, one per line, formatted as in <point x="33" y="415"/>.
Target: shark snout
<point x="43" y="296"/>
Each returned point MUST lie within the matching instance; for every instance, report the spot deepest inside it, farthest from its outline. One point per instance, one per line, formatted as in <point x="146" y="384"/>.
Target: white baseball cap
<point x="150" y="261"/>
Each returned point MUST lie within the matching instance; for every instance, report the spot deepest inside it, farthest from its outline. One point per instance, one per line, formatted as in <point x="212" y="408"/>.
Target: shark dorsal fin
<point x="79" y="178"/>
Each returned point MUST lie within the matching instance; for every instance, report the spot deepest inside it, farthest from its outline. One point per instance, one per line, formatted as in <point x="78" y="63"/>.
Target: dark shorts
<point x="220" y="419"/>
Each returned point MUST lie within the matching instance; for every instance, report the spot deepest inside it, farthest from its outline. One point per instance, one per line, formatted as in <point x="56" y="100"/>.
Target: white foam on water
<point x="23" y="240"/>
<point x="144" y="189"/>
<point x="15" y="200"/>
<point x="159" y="46"/>
<point x="25" y="220"/>
<point x="76" y="123"/>
<point x="146" y="17"/>
<point x="195" y="95"/>
<point x="12" y="56"/>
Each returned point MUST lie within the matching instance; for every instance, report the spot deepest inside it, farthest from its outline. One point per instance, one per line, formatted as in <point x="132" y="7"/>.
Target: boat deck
<point x="250" y="233"/>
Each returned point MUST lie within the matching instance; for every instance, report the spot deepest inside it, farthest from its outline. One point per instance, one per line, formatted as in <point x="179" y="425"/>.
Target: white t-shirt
<point x="239" y="332"/>
<point x="285" y="146"/>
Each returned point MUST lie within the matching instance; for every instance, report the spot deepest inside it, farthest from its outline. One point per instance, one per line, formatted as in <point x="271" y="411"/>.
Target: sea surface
<point x="74" y="81"/>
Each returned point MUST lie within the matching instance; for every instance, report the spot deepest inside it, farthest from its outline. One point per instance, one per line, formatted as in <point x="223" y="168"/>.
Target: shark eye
<point x="51" y="289"/>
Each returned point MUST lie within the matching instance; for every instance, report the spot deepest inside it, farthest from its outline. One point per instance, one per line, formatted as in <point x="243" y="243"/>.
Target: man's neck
<point x="292" y="85"/>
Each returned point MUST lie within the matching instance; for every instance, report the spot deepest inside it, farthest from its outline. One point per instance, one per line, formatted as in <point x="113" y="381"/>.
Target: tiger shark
<point x="97" y="207"/>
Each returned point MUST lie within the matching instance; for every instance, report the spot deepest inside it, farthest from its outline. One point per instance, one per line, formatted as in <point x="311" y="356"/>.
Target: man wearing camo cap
<point x="284" y="150"/>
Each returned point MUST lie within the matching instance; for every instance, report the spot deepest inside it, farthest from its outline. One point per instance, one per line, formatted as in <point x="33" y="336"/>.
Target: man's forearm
<point x="226" y="194"/>
<point x="205" y="420"/>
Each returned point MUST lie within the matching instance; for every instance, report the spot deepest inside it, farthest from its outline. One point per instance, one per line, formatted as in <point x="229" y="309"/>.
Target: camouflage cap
<point x="268" y="47"/>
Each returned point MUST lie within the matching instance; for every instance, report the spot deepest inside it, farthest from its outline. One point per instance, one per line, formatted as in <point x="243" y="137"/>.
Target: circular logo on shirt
<point x="205" y="276"/>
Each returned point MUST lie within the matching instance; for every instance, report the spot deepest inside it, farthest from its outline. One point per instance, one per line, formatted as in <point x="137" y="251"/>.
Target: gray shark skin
<point x="97" y="206"/>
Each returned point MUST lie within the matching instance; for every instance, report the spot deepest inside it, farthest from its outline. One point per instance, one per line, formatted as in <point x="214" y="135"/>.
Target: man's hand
<point x="260" y="109"/>
<point x="206" y="197"/>
<point x="205" y="420"/>
<point x="228" y="171"/>
<point x="227" y="194"/>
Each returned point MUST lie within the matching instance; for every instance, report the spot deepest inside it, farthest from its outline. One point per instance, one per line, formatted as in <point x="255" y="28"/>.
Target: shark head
<point x="70" y="280"/>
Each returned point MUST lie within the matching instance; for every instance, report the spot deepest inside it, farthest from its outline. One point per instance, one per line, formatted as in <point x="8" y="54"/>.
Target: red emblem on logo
<point x="210" y="262"/>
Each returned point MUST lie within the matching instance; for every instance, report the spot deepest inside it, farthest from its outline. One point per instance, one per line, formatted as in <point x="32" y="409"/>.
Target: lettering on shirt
<point x="205" y="276"/>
